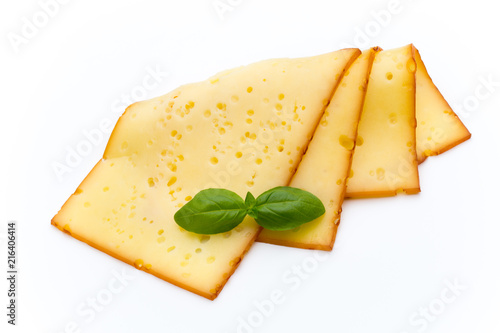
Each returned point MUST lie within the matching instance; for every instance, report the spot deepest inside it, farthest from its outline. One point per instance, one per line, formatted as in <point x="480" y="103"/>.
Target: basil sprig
<point x="216" y="210"/>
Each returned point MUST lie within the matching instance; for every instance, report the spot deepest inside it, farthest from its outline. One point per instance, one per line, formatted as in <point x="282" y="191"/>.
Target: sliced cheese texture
<point x="438" y="127"/>
<point x="384" y="161"/>
<point x="244" y="130"/>
<point x="325" y="166"/>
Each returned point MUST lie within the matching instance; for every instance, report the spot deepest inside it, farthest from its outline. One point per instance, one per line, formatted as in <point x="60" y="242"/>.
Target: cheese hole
<point x="238" y="154"/>
<point x="351" y="173"/>
<point x="380" y="174"/>
<point x="222" y="131"/>
<point x="258" y="161"/>
<point x="189" y="128"/>
<point x="184" y="263"/>
<point x="249" y="89"/>
<point x="388" y="75"/>
<point x="214" y="160"/>
<point x="138" y="263"/>
<point x="163" y="152"/>
<point x="160" y="231"/>
<point x="105" y="189"/>
<point x="281" y="96"/>
<point x="210" y="259"/>
<point x="221" y="106"/>
<point x="411" y="66"/>
<point x="234" y="98"/>
<point x="173" y="133"/>
<point x="179" y="136"/>
<point x="249" y="121"/>
<point x="172" y="167"/>
<point x="198" y="250"/>
<point x="124" y="145"/>
<point x="250" y="183"/>
<point x="78" y="191"/>
<point x="204" y="239"/>
<point x="346" y="142"/>
<point x="150" y="143"/>
<point x="250" y="112"/>
<point x="393" y="118"/>
<point x="188" y="198"/>
<point x="303" y="107"/>
<point x="170" y="249"/>
<point x="207" y="113"/>
<point x="160" y="239"/>
<point x="227" y="234"/>
<point x="360" y="141"/>
<point x="172" y="181"/>
<point x="339" y="181"/>
<point x="151" y="182"/>
<point x="188" y="256"/>
<point x="280" y="148"/>
<point x="399" y="66"/>
<point x="86" y="204"/>
<point x="279" y="107"/>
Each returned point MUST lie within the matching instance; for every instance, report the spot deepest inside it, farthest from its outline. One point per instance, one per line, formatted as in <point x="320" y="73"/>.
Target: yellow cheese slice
<point x="325" y="166"/>
<point x="384" y="161"/>
<point x="438" y="127"/>
<point x="244" y="130"/>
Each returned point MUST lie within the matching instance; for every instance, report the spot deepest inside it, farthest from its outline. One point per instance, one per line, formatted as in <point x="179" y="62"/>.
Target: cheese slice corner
<point x="438" y="127"/>
<point x="244" y="130"/>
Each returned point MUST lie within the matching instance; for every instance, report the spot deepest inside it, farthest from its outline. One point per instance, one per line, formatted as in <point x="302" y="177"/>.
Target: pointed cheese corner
<point x="244" y="130"/>
<point x="325" y="166"/>
<point x="384" y="161"/>
<point x="438" y="127"/>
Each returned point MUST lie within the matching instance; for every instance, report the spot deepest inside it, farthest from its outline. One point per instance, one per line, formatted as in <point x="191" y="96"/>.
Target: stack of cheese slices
<point x="342" y="124"/>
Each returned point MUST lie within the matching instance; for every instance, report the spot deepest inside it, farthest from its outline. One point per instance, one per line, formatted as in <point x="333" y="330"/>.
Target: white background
<point x="392" y="257"/>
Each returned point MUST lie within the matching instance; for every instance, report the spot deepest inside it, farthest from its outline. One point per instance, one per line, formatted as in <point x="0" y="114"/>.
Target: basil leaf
<point x="284" y="208"/>
<point x="250" y="203"/>
<point x="212" y="211"/>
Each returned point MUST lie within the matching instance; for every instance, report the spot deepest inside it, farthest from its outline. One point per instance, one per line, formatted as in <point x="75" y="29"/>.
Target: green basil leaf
<point x="250" y="203"/>
<point x="285" y="208"/>
<point x="212" y="211"/>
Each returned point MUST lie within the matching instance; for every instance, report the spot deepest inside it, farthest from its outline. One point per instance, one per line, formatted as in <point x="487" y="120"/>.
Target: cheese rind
<point x="384" y="161"/>
<point x="325" y="166"/>
<point x="244" y="130"/>
<point x="438" y="127"/>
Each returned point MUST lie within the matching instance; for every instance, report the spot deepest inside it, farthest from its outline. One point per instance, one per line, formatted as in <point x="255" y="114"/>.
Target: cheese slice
<point x="244" y="130"/>
<point x="325" y="166"/>
<point x="438" y="127"/>
<point x="384" y="161"/>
